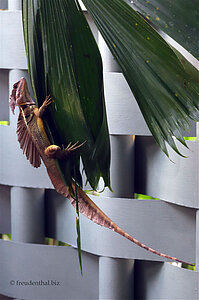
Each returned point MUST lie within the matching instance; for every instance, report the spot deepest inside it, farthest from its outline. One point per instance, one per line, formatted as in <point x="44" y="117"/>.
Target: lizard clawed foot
<point x="48" y="100"/>
<point x="70" y="148"/>
<point x="54" y="151"/>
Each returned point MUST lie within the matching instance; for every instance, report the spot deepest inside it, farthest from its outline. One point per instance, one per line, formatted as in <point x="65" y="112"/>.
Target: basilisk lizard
<point x="36" y="146"/>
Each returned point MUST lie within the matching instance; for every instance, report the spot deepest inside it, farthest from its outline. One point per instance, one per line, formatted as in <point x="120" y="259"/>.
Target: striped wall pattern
<point x="30" y="209"/>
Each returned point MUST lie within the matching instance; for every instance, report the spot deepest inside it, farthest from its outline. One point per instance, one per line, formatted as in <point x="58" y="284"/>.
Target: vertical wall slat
<point x="4" y="94"/>
<point x="27" y="215"/>
<point x="122" y="167"/>
<point x="114" y="279"/>
<point x="4" y="4"/>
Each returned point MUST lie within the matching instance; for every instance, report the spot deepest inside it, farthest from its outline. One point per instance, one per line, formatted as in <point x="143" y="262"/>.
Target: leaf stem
<point x="78" y="227"/>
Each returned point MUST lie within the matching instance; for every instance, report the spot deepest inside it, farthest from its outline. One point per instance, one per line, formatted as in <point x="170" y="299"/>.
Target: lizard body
<point x="36" y="146"/>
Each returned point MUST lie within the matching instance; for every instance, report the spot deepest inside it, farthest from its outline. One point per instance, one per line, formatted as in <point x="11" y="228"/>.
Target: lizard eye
<point x="26" y="110"/>
<point x="15" y="86"/>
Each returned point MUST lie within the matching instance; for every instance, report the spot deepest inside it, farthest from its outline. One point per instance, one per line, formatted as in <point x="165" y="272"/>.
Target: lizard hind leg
<point x="53" y="151"/>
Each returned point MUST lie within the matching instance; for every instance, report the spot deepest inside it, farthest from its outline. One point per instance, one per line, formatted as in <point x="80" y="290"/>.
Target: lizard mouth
<point x="12" y="100"/>
<point x="25" y="103"/>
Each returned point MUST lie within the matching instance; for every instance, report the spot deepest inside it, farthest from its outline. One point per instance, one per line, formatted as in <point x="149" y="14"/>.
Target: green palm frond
<point x="179" y="19"/>
<point x="64" y="62"/>
<point x="164" y="83"/>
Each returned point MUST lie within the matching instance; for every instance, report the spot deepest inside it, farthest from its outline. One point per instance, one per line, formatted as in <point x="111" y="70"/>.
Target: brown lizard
<point x="36" y="146"/>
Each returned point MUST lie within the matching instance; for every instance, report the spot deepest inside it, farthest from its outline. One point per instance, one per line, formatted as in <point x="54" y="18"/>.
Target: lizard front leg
<point x="39" y="112"/>
<point x="54" y="151"/>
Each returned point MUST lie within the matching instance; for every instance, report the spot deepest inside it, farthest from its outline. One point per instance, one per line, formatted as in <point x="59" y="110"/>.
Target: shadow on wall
<point x="4" y="96"/>
<point x="3" y="5"/>
<point x="2" y="297"/>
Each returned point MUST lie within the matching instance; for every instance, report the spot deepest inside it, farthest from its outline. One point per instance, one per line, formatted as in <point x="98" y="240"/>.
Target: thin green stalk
<point x="78" y="228"/>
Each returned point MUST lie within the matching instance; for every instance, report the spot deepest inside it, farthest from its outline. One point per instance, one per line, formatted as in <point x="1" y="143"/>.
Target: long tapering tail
<point x="89" y="209"/>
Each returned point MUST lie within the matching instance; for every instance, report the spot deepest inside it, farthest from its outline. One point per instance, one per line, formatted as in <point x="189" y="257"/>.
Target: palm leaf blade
<point x="165" y="87"/>
<point x="67" y="65"/>
<point x="178" y="18"/>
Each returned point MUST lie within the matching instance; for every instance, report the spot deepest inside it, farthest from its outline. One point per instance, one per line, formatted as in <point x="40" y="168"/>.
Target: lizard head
<point x="20" y="95"/>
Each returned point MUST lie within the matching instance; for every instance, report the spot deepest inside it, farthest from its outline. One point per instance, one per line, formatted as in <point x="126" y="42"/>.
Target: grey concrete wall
<point x="30" y="271"/>
<point x="174" y="180"/>
<point x="163" y="281"/>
